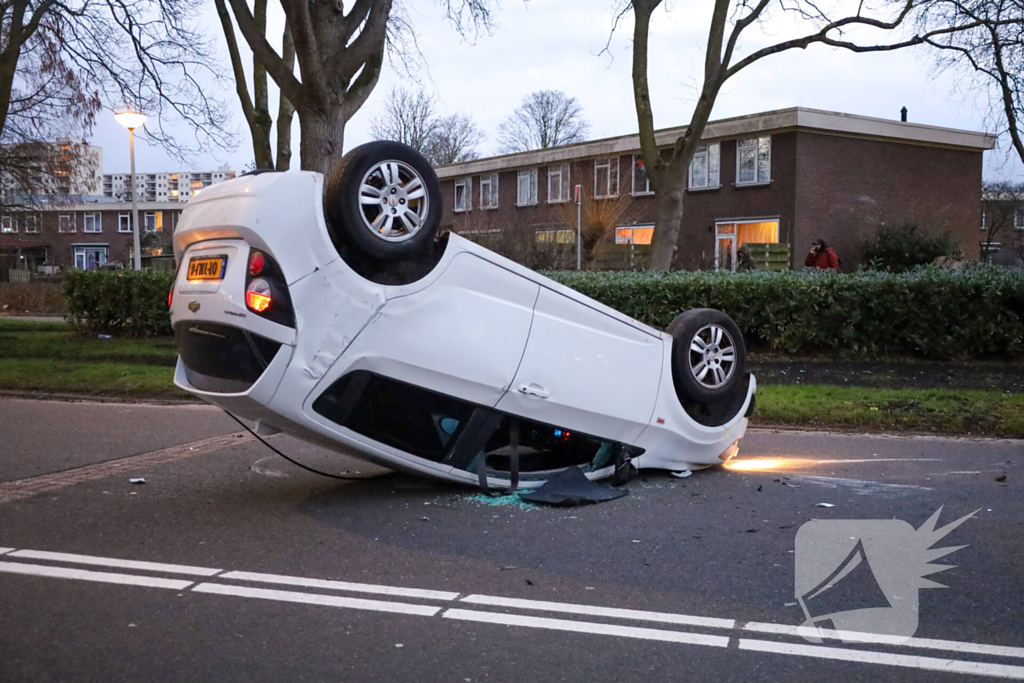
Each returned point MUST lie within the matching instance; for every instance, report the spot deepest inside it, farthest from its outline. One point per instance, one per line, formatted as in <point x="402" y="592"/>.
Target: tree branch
<point x="276" y="67"/>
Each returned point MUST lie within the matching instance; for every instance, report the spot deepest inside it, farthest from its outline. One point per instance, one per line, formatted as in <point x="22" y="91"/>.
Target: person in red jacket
<point x="821" y="256"/>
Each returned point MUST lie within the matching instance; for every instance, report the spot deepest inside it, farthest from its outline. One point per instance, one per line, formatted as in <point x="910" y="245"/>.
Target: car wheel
<point x="709" y="358"/>
<point x="384" y="200"/>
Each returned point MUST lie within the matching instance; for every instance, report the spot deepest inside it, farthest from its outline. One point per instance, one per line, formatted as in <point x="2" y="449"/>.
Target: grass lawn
<point x="52" y="358"/>
<point x="969" y="412"/>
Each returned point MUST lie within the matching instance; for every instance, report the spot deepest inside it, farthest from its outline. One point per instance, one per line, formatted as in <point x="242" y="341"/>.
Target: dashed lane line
<point x="887" y="658"/>
<point x="114" y="562"/>
<point x="509" y="619"/>
<point x="47" y="483"/>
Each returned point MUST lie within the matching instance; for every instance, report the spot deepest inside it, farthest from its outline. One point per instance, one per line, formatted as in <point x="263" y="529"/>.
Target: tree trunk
<point x="668" y="218"/>
<point x="323" y="136"/>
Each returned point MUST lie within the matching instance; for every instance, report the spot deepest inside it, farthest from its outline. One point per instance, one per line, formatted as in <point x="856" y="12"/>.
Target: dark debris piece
<point x="571" y="487"/>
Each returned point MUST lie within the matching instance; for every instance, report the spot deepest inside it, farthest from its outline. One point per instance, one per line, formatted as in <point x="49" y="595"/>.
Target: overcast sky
<point x="554" y="44"/>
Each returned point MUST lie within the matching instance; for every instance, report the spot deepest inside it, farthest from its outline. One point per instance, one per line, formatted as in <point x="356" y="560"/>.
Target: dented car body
<point x="479" y="367"/>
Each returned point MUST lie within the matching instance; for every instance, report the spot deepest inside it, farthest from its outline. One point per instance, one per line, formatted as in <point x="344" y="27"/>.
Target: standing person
<point x="821" y="256"/>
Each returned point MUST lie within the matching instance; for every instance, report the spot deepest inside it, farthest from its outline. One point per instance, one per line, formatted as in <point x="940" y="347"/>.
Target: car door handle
<point x="533" y="390"/>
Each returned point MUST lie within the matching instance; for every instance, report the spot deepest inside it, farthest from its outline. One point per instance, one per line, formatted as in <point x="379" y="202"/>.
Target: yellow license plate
<point x="207" y="268"/>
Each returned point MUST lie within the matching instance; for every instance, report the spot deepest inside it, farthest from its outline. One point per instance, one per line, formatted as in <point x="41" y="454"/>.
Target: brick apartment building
<point x="788" y="176"/>
<point x="1002" y="226"/>
<point x="82" y="232"/>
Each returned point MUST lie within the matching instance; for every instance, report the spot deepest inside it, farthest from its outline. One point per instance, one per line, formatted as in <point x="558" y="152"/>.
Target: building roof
<point x="780" y="121"/>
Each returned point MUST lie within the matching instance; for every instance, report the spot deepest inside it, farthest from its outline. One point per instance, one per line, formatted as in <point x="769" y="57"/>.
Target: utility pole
<point x="579" y="232"/>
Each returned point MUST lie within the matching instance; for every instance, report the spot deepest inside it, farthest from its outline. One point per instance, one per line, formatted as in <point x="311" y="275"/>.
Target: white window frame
<point x="490" y="181"/>
<point x="83" y="249"/>
<point x="466" y="185"/>
<point x="561" y="172"/>
<point x="32" y="223"/>
<point x="8" y="225"/>
<point x="643" y="174"/>
<point x="754" y="143"/>
<point x="529" y="178"/>
<point x="65" y="220"/>
<point x="124" y="222"/>
<point x="145" y="221"/>
<point x="97" y="222"/>
<point x="612" y="172"/>
<point x="708" y="152"/>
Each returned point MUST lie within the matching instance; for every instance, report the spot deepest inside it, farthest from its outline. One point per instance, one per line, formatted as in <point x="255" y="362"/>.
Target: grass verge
<point x="968" y="412"/>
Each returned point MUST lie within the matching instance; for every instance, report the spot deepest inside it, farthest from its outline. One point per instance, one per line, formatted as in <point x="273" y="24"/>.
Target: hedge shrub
<point x="904" y="247"/>
<point x="929" y="312"/>
<point x="119" y="302"/>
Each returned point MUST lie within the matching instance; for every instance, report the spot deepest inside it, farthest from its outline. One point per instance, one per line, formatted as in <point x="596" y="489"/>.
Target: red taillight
<point x="256" y="262"/>
<point x="170" y="297"/>
<point x="257" y="295"/>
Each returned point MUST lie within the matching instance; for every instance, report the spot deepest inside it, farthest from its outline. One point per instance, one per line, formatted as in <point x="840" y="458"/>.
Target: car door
<point x="587" y="371"/>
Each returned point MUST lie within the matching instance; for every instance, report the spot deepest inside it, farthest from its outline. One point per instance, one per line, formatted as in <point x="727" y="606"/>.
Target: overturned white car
<point x="338" y="316"/>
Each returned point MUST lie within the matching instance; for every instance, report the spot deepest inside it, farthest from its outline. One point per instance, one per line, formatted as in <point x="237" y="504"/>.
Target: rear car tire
<point x="709" y="358"/>
<point x="384" y="200"/>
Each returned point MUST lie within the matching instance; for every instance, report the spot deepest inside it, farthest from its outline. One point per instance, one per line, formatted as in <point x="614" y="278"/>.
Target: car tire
<point x="709" y="358"/>
<point x="405" y="221"/>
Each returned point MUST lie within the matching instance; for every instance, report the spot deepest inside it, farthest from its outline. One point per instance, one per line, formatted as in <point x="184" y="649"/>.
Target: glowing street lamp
<point x="132" y="120"/>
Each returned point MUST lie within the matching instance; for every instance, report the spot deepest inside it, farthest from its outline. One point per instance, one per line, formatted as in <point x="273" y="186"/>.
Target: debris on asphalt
<point x="1001" y="477"/>
<point x="824" y="505"/>
<point x="792" y="486"/>
<point x="508" y="568"/>
<point x="760" y="487"/>
<point x="571" y="487"/>
<point x="138" y="480"/>
<point x="682" y="475"/>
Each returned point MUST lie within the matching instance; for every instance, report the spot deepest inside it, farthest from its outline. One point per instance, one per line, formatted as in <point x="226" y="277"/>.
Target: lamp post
<point x="132" y="120"/>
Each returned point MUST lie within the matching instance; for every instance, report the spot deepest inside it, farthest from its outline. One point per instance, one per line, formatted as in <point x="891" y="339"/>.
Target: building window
<point x="463" y="195"/>
<point x="150" y="221"/>
<point x="606" y="178"/>
<point x="93" y="223"/>
<point x="32" y="222"/>
<point x="984" y="218"/>
<point x="8" y="224"/>
<point x="1018" y="218"/>
<point x="66" y="223"/>
<point x="558" y="236"/>
<point x="558" y="183"/>
<point x="641" y="183"/>
<point x="704" y="167"/>
<point x="489" y="191"/>
<point x="90" y="257"/>
<point x="124" y="222"/>
<point x="730" y="236"/>
<point x="526" y="188"/>
<point x="754" y="161"/>
<point x="639" y="234"/>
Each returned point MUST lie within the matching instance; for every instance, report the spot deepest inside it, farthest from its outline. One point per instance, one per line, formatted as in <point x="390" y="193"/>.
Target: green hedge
<point x="928" y="312"/>
<point x="120" y="302"/>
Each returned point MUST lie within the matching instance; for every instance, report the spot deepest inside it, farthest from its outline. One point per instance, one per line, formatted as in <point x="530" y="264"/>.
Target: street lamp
<point x="132" y="120"/>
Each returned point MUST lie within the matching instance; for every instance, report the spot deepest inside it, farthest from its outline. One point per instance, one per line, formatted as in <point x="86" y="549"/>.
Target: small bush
<point x="928" y="312"/>
<point x="120" y="302"/>
<point x="898" y="249"/>
<point x="35" y="298"/>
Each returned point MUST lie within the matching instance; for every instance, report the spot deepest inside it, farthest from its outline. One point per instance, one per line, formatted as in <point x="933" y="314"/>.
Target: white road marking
<point x="594" y="611"/>
<point x="114" y="562"/>
<point x="925" y="643"/>
<point x="86" y="575"/>
<point x="4" y="551"/>
<point x="866" y="657"/>
<point x="587" y="627"/>
<point x="317" y="599"/>
<point x="340" y="585"/>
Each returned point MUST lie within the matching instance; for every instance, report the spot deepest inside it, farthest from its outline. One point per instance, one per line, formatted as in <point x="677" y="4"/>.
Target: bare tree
<point x="408" y="117"/>
<point x="257" y="108"/>
<point x="340" y="55"/>
<point x="991" y="55"/>
<point x="1002" y="208"/>
<point x="455" y="139"/>
<point x="546" y="118"/>
<point x="730" y="20"/>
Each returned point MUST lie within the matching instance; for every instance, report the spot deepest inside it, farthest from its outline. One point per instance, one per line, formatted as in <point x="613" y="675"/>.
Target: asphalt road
<point x="426" y="581"/>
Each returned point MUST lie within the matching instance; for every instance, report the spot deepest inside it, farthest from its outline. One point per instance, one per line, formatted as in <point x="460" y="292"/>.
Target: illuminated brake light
<point x="170" y="297"/>
<point x="257" y="295"/>
<point x="256" y="262"/>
